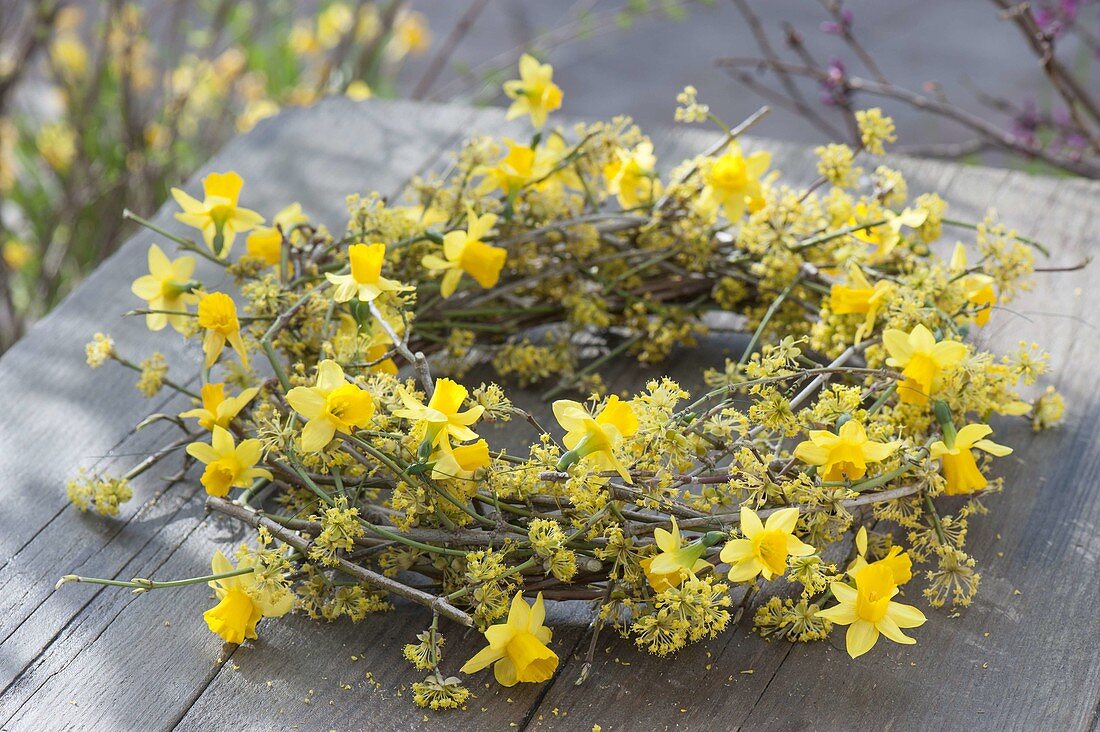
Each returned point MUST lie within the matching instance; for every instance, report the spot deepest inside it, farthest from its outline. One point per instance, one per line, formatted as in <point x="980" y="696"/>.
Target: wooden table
<point x="1024" y="656"/>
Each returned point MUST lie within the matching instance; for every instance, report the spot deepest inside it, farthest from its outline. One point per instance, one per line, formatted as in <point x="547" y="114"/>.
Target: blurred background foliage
<point x="105" y="104"/>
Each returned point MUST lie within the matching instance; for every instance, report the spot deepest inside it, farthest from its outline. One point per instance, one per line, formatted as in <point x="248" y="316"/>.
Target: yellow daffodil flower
<point x="464" y="251"/>
<point x="868" y="609"/>
<point x="860" y="297"/>
<point x="332" y="405"/>
<point x="241" y="602"/>
<point x="766" y="546"/>
<point x="217" y="409"/>
<point x="844" y="456"/>
<point x="632" y="176"/>
<point x="227" y="465"/>
<point x="218" y="316"/>
<point x="351" y="343"/>
<point x="460" y="462"/>
<point x="960" y="469"/>
<point x="595" y="436"/>
<point x="218" y="216"/>
<point x="886" y="236"/>
<point x="675" y="562"/>
<point x="518" y="647"/>
<point x="166" y="287"/>
<point x="517" y="168"/>
<point x="733" y="180"/>
<point x="441" y="416"/>
<point x="365" y="281"/>
<point x="266" y="242"/>
<point x="534" y="93"/>
<point x="897" y="560"/>
<point x="922" y="360"/>
<point x="977" y="287"/>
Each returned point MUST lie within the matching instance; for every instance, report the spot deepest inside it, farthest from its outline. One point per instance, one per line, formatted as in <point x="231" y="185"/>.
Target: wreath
<point x="333" y="416"/>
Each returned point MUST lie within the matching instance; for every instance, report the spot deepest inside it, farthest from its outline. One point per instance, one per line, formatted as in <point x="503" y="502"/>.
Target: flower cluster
<point x="859" y="400"/>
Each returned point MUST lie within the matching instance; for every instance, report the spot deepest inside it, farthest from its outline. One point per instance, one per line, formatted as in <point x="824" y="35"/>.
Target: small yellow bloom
<point x="358" y="91"/>
<point x="411" y="35"/>
<point x="733" y="179"/>
<point x="241" y="603"/>
<point x="632" y="175"/>
<point x="519" y="166"/>
<point x="922" y="360"/>
<point x="365" y="281"/>
<point x="535" y="92"/>
<point x="959" y="467"/>
<point x="464" y="251"/>
<point x="266" y="243"/>
<point x="884" y="237"/>
<point x="166" y="287"/>
<point x="218" y="315"/>
<point x="353" y="342"/>
<point x="766" y="546"/>
<point x="977" y="287"/>
<point x="517" y="647"/>
<point x="675" y="562"/>
<point x="596" y="436"/>
<point x="460" y="462"/>
<point x="860" y="297"/>
<point x="441" y="415"/>
<point x="227" y="465"/>
<point x="16" y="254"/>
<point x="217" y="409"/>
<point x="844" y="456"/>
<point x="868" y="609"/>
<point x="217" y="216"/>
<point x="332" y="406"/>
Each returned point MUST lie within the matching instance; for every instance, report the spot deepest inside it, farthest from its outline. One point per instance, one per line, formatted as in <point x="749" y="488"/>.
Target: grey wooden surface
<point x="86" y="657"/>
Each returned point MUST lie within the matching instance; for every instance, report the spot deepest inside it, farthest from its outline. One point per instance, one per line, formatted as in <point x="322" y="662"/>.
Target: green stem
<point x="139" y="584"/>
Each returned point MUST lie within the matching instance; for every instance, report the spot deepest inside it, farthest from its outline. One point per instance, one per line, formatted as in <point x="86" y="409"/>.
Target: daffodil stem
<point x="142" y="585"/>
<point x="931" y="507"/>
<point x="386" y="584"/>
<point x="771" y="311"/>
<point x="185" y="244"/>
<point x="835" y="234"/>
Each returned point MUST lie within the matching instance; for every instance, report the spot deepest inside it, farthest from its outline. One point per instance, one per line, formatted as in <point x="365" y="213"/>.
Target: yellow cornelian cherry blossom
<point x="241" y="602"/>
<point x="167" y="287"/>
<point x="860" y="297"/>
<point x="266" y="242"/>
<point x="534" y="93"/>
<point x="228" y="465"/>
<point x="922" y="360"/>
<point x="218" y="216"/>
<point x="845" y="455"/>
<point x="518" y="647"/>
<point x="442" y="417"/>
<point x="460" y="462"/>
<point x="977" y="287"/>
<point x="595" y="437"/>
<point x="464" y="251"/>
<point x="885" y="236"/>
<point x="218" y="316"/>
<point x="766" y="546"/>
<point x="733" y="180"/>
<point x="869" y="610"/>
<point x="632" y="176"/>
<point x="960" y="469"/>
<point x="365" y="281"/>
<point x="675" y="562"/>
<point x="332" y="405"/>
<point x="217" y="409"/>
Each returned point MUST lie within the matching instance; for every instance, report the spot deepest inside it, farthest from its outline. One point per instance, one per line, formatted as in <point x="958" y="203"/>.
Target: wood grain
<point x="90" y="657"/>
